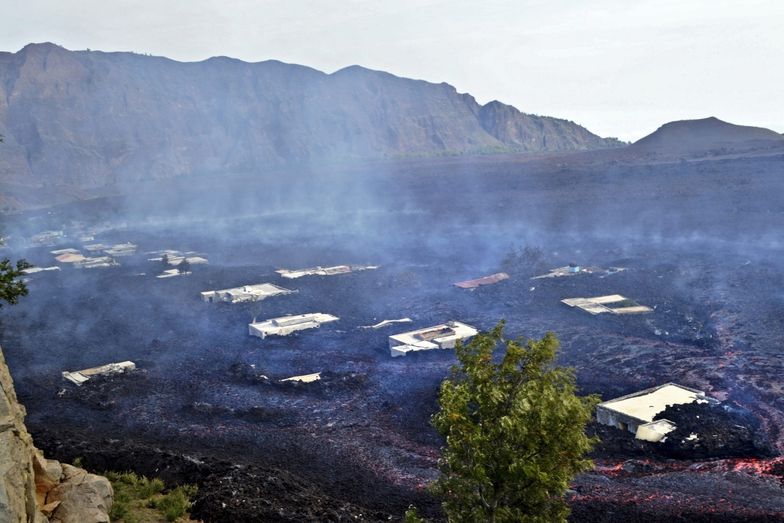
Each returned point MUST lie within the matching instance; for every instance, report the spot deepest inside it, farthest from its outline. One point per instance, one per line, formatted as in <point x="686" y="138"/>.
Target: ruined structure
<point x="80" y="376"/>
<point x="305" y="378"/>
<point x="613" y="303"/>
<point x="96" y="262"/>
<point x="576" y="270"/>
<point x="285" y="325"/>
<point x="245" y="293"/>
<point x="121" y="249"/>
<point x="34" y="489"/>
<point x="443" y="336"/>
<point x="324" y="271"/>
<point x="485" y="280"/>
<point x="635" y="412"/>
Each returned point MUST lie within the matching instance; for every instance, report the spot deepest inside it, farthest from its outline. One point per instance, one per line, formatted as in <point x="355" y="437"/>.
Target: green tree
<point x="184" y="266"/>
<point x="515" y="432"/>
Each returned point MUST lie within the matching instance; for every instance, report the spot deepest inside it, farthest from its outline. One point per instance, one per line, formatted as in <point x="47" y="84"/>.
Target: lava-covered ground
<point x="358" y="444"/>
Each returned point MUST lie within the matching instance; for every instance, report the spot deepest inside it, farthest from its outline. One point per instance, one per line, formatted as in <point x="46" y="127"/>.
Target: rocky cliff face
<point x="34" y="489"/>
<point x="88" y="119"/>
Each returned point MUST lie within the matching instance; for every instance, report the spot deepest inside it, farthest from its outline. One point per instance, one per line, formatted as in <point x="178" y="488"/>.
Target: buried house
<point x="635" y="412"/>
<point x="258" y="292"/>
<point x="484" y="280"/>
<point x="613" y="303"/>
<point x="443" y="336"/>
<point x="285" y="325"/>
<point x="78" y="377"/>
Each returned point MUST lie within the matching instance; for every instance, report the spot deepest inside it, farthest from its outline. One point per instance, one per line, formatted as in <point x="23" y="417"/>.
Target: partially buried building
<point x="245" y="293"/>
<point x="613" y="303"/>
<point x="444" y="336"/>
<point x="635" y="412"/>
<point x="285" y="325"/>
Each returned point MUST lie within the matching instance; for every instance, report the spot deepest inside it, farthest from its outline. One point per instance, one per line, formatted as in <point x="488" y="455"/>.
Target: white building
<point x="245" y="293"/>
<point x="443" y="336"/>
<point x="285" y="325"/>
<point x="80" y="376"/>
<point x="635" y="412"/>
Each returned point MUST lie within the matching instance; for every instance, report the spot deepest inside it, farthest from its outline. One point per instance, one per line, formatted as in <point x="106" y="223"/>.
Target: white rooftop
<point x="612" y="303"/>
<point x="646" y="404"/>
<point x="285" y="325"/>
<point x="255" y="292"/>
<point x="443" y="336"/>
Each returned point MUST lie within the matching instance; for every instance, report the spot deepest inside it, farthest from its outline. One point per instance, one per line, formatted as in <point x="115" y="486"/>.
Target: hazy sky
<point x="619" y="67"/>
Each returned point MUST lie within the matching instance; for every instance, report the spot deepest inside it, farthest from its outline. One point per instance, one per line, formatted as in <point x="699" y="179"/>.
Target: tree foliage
<point x="11" y="286"/>
<point x="515" y="432"/>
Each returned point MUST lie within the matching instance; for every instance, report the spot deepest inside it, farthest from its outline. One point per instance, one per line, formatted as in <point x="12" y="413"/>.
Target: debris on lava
<point x="173" y="273"/>
<point x="285" y="325"/>
<point x="247" y="372"/>
<point x="443" y="336"/>
<point x="613" y="303"/>
<point x="33" y="270"/>
<point x="386" y="323"/>
<point x="174" y="258"/>
<point x="714" y="430"/>
<point x="485" y="280"/>
<point x="47" y="237"/>
<point x="257" y="292"/>
<point x="575" y="270"/>
<point x="324" y="271"/>
<point x="80" y="376"/>
<point x="121" y="249"/>
<point x="305" y="378"/>
<point x="637" y="412"/>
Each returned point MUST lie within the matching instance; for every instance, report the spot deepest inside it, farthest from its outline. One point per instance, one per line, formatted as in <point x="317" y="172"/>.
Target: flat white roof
<point x="646" y="404"/>
<point x="432" y="337"/>
<point x="323" y="271"/>
<point x="602" y="304"/>
<point x="305" y="378"/>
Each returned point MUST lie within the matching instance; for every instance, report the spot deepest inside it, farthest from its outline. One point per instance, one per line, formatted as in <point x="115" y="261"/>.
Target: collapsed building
<point x="96" y="262"/>
<point x="613" y="303"/>
<point x="80" y="376"/>
<point x="485" y="280"/>
<point x="95" y="247"/>
<point x="575" y="270"/>
<point x="245" y="293"/>
<point x="635" y="412"/>
<point x="444" y="336"/>
<point x="324" y="271"/>
<point x="285" y="325"/>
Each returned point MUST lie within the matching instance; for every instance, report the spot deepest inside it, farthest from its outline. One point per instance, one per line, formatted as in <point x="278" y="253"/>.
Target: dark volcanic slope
<point x="706" y="134"/>
<point x="85" y="119"/>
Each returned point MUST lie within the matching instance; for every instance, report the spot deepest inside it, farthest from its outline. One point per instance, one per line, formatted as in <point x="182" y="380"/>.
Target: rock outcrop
<point x="34" y="489"/>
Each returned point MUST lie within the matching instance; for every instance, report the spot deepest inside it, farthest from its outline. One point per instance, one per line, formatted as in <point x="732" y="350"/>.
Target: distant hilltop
<point x="85" y="119"/>
<point x="693" y="136"/>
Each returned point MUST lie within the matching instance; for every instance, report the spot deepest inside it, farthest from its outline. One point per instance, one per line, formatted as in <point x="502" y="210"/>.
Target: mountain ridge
<point x="88" y="119"/>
